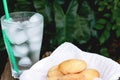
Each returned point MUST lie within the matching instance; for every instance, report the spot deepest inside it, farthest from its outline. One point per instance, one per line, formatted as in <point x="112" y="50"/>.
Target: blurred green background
<point x="91" y="25"/>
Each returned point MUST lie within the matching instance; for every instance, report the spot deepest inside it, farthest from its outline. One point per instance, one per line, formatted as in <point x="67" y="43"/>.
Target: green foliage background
<point x="92" y="25"/>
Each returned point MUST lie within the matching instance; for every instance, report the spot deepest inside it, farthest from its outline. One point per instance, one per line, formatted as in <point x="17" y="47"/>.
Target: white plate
<point x="109" y="69"/>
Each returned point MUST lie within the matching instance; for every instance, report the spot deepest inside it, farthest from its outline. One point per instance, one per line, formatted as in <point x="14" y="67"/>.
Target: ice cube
<point x="21" y="50"/>
<point x="20" y="37"/>
<point x="13" y="28"/>
<point x="17" y="37"/>
<point x="8" y="20"/>
<point x="24" y="23"/>
<point x="35" y="51"/>
<point x="37" y="38"/>
<point x="35" y="55"/>
<point x="35" y="46"/>
<point x="25" y="62"/>
<point x="35" y="29"/>
<point x="36" y="17"/>
<point x="35" y="32"/>
<point x="16" y="34"/>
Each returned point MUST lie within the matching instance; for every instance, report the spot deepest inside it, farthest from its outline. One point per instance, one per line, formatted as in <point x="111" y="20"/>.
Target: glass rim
<point x="20" y="12"/>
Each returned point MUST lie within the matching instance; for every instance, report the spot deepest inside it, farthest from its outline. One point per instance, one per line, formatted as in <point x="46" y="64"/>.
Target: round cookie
<point x="90" y="74"/>
<point x="73" y="77"/>
<point x="52" y="78"/>
<point x="72" y="66"/>
<point x="54" y="72"/>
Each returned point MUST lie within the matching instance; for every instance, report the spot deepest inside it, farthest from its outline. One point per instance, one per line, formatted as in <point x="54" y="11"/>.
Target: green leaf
<point x="70" y="21"/>
<point x="23" y="5"/>
<point x="59" y="16"/>
<point x="61" y="1"/>
<point x="60" y="23"/>
<point x="82" y="32"/>
<point x="104" y="52"/>
<point x="109" y="7"/>
<point x="118" y="32"/>
<point x="98" y="26"/>
<point x="114" y="27"/>
<point x="39" y="4"/>
<point x="101" y="21"/>
<point x="107" y="15"/>
<point x="100" y="9"/>
<point x="45" y="8"/>
<point x="65" y="22"/>
<point x="105" y="35"/>
<point x="108" y="26"/>
<point x="118" y="21"/>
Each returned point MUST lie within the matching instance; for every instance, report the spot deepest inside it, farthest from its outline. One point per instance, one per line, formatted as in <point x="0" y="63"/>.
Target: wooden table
<point x="6" y="75"/>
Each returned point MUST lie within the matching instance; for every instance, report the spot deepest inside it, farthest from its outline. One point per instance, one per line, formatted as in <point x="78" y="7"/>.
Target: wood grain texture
<point x="6" y="75"/>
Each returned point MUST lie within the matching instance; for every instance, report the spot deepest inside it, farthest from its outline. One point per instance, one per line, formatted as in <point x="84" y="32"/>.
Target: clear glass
<point x="24" y="31"/>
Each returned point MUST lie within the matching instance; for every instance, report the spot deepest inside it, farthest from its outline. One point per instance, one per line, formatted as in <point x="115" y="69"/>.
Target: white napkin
<point x="109" y="69"/>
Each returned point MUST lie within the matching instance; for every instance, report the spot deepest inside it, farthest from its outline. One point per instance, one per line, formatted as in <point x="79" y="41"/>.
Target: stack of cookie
<point x="72" y="69"/>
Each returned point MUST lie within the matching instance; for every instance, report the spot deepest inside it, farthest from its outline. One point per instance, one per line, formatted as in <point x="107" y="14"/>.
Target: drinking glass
<point x="24" y="31"/>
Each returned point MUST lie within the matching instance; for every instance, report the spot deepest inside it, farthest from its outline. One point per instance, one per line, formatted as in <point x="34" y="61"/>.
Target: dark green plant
<point x="70" y="25"/>
<point x="67" y="22"/>
<point x="92" y="25"/>
<point x="107" y="24"/>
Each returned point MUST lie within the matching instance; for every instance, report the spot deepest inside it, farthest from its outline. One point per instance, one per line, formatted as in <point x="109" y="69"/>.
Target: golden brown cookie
<point x="72" y="69"/>
<point x="52" y="78"/>
<point x="73" y="77"/>
<point x="90" y="74"/>
<point x="72" y="66"/>
<point x="54" y="72"/>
